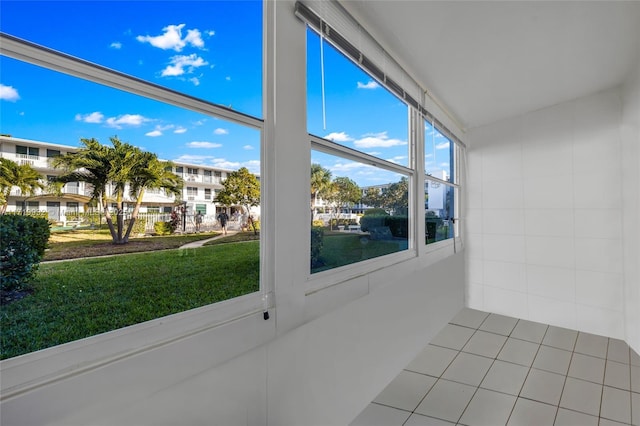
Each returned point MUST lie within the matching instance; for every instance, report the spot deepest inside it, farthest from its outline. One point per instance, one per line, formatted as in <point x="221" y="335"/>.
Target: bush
<point x="317" y="237"/>
<point x="164" y="228"/>
<point x="23" y="240"/>
<point x="91" y="218"/>
<point x="432" y="223"/>
<point x="398" y="225"/>
<point x="317" y="222"/>
<point x="375" y="212"/>
<point x="139" y="227"/>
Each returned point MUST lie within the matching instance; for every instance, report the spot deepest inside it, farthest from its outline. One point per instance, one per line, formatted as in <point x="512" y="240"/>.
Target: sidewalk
<point x="200" y="243"/>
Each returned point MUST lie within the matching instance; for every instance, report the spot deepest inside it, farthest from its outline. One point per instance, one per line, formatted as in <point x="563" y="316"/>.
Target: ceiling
<point x="489" y="60"/>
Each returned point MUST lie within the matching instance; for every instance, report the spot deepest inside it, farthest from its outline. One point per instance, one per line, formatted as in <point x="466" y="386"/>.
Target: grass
<point x="81" y="298"/>
<point x="342" y="248"/>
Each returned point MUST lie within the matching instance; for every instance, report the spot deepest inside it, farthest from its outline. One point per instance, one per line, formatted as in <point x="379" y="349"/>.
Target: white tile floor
<point x="488" y="369"/>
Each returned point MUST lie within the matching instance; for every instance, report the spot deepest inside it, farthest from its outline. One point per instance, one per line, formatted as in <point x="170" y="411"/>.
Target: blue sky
<point x="210" y="50"/>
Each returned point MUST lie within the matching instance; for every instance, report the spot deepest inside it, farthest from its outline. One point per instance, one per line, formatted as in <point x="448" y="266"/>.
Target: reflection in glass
<point x="439" y="211"/>
<point x="358" y="212"/>
<point x="438" y="154"/>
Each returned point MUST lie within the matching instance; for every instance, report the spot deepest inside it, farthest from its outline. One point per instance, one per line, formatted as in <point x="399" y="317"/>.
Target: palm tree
<point x="123" y="164"/>
<point x="150" y="173"/>
<point x="320" y="182"/>
<point x="25" y="177"/>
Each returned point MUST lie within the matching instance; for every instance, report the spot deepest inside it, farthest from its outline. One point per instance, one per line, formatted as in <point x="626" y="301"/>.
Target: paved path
<point x="200" y="243"/>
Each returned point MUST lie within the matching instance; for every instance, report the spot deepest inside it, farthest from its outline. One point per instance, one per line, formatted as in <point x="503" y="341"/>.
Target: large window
<point x="200" y="53"/>
<point x="360" y="180"/>
<point x="441" y="184"/>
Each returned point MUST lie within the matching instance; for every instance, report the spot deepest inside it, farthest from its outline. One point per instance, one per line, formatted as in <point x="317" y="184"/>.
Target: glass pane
<point x="360" y="113"/>
<point x="358" y="212"/>
<point x="77" y="299"/>
<point x="439" y="211"/>
<point x="211" y="50"/>
<point x="438" y="154"/>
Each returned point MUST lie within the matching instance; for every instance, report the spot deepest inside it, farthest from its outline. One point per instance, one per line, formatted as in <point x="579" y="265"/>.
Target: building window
<point x="192" y="192"/>
<point x="52" y="153"/>
<point x="28" y="150"/>
<point x="207" y="193"/>
<point x="153" y="209"/>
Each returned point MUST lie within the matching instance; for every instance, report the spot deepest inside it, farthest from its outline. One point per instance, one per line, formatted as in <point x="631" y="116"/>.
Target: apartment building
<point x="201" y="184"/>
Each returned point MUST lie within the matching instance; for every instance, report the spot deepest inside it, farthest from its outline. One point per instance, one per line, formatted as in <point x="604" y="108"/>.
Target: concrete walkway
<point x="200" y="243"/>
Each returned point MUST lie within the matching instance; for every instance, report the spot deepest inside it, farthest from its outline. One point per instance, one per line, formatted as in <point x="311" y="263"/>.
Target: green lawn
<point x="81" y="298"/>
<point x="344" y="248"/>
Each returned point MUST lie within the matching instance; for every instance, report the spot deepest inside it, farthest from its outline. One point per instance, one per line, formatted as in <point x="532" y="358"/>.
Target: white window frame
<point x="36" y="369"/>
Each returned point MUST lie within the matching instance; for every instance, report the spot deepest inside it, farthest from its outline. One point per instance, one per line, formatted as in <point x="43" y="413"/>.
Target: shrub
<point x="317" y="222"/>
<point x="375" y="212"/>
<point x="317" y="237"/>
<point x="398" y="225"/>
<point x="164" y="228"/>
<point x="371" y="221"/>
<point x="432" y="223"/>
<point x="139" y="227"/>
<point x="23" y="240"/>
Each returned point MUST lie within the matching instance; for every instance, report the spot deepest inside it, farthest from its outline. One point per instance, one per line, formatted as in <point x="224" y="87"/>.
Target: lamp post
<point x="184" y="216"/>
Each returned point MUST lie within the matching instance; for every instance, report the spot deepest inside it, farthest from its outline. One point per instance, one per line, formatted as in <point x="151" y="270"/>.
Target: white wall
<point x="631" y="203"/>
<point x="319" y="360"/>
<point x="545" y="215"/>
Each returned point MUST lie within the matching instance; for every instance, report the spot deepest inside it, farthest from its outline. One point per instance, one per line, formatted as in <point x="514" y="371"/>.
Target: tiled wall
<point x="544" y="234"/>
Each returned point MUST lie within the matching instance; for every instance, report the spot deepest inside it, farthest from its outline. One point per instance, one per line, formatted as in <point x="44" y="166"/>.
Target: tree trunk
<point x="107" y="216"/>
<point x="134" y="216"/>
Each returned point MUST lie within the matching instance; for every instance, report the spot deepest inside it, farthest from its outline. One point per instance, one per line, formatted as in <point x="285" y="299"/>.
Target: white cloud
<point x="116" y="45"/>
<point x="195" y="81"/>
<point x="247" y="147"/>
<point x="180" y="62"/>
<point x="220" y="131"/>
<point x="228" y="78"/>
<point x="193" y="159"/>
<point x="94" y="117"/>
<point x="339" y="137"/>
<point x="194" y="38"/>
<point x="368" y="85"/>
<point x="197" y="144"/>
<point x="180" y="130"/>
<point x="210" y="33"/>
<point x="374" y="153"/>
<point x="378" y="140"/>
<point x="154" y="133"/>
<point x="8" y="93"/>
<point x="133" y="120"/>
<point x="443" y="145"/>
<point x="172" y="38"/>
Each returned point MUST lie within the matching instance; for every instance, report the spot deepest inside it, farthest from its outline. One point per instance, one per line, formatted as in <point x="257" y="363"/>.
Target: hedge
<point x="23" y="240"/>
<point x="398" y="225"/>
<point x="317" y="237"/>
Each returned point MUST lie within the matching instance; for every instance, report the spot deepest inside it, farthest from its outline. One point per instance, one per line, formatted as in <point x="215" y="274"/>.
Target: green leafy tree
<point x="396" y="197"/>
<point x="372" y="197"/>
<point x="320" y="185"/>
<point x="241" y="188"/>
<point x="22" y="176"/>
<point x="343" y="193"/>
